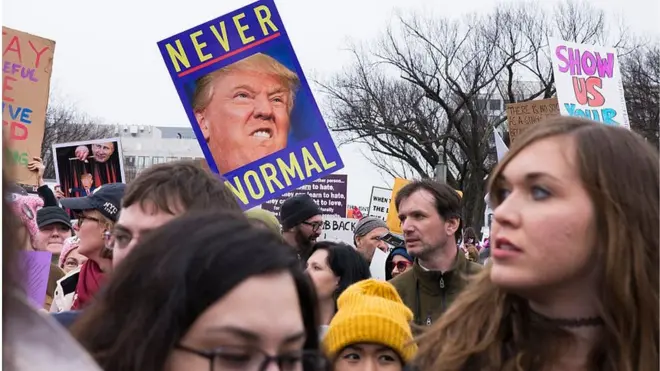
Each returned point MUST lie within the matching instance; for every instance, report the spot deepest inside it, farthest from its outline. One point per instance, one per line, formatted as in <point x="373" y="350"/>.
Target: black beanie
<point x="297" y="209"/>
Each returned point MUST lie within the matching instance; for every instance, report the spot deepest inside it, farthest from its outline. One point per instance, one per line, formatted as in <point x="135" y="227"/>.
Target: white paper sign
<point x="338" y="230"/>
<point x="379" y="204"/>
<point x="377" y="266"/>
<point x="588" y="80"/>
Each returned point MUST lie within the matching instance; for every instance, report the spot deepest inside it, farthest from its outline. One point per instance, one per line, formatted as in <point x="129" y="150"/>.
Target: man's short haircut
<point x="447" y="200"/>
<point x="179" y="185"/>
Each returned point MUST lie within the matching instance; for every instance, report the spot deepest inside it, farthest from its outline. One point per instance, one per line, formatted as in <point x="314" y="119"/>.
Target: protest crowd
<point x="182" y="269"/>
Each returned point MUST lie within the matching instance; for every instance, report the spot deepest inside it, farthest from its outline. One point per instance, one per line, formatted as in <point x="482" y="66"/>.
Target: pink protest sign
<point x="588" y="80"/>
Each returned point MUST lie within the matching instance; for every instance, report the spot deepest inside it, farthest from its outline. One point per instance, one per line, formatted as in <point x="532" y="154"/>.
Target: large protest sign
<point x="328" y="192"/>
<point x="521" y="116"/>
<point x="249" y="103"/>
<point x="392" y="221"/>
<point x="81" y="167"/>
<point x="27" y="63"/>
<point x="379" y="203"/>
<point x="588" y="80"/>
<point x="338" y="229"/>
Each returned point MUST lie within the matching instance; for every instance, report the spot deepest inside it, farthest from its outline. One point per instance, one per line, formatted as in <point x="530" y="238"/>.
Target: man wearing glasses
<point x="301" y="220"/>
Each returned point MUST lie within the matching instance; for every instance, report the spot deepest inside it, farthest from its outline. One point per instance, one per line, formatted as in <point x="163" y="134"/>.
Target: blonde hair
<point x="488" y="328"/>
<point x="108" y="225"/>
<point x="258" y="62"/>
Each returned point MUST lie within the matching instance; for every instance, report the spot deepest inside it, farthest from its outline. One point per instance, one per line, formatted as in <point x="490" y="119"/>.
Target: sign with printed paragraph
<point x="27" y="63"/>
<point x="328" y="192"/>
<point x="589" y="84"/>
<point x="249" y="103"/>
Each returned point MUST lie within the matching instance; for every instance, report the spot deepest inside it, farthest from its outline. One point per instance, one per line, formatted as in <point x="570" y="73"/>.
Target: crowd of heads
<point x="168" y="273"/>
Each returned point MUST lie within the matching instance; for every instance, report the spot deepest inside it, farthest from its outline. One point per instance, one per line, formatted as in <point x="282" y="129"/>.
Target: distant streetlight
<point x="441" y="168"/>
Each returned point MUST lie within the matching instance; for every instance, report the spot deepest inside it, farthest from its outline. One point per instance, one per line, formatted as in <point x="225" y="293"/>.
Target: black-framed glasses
<point x="315" y="226"/>
<point x="245" y="358"/>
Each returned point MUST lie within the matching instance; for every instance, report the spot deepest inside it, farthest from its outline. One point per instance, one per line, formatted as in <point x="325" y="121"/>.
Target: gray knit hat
<point x="366" y="225"/>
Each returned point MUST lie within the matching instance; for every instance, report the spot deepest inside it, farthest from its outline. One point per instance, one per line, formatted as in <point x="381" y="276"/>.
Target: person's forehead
<point x="104" y="145"/>
<point x="420" y="200"/>
<point x="248" y="304"/>
<point x="398" y="258"/>
<point x="552" y="156"/>
<point x="378" y="231"/>
<point x="136" y="217"/>
<point x="315" y="219"/>
<point x="319" y="256"/>
<point x="53" y="226"/>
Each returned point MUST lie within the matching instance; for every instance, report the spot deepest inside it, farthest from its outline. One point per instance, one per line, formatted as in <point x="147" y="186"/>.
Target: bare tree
<point x="641" y="82"/>
<point x="432" y="89"/>
<point x="65" y="123"/>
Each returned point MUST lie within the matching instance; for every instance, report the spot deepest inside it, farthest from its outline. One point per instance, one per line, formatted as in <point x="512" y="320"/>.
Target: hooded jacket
<point x="428" y="294"/>
<point x="388" y="262"/>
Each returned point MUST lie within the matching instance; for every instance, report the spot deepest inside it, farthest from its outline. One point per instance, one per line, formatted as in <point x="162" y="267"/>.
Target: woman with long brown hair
<point x="573" y="283"/>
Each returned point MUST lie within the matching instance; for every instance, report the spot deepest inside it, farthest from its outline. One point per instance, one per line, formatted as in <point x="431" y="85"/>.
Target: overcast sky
<point x="107" y="61"/>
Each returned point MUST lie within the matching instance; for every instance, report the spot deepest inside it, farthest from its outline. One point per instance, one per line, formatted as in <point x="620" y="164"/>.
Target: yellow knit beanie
<point x="371" y="311"/>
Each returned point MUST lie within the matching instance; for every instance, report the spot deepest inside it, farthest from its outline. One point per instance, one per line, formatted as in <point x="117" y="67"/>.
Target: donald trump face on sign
<point x="243" y="110"/>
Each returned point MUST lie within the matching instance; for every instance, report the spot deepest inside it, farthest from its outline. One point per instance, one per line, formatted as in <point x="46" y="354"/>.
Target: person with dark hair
<point x="430" y="214"/>
<point x="302" y="221"/>
<point x="367" y="236"/>
<point x="574" y="279"/>
<point x="229" y="296"/>
<point x="162" y="193"/>
<point x="334" y="266"/>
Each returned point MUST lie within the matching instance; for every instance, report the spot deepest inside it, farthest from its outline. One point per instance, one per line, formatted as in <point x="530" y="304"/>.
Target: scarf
<point x="89" y="281"/>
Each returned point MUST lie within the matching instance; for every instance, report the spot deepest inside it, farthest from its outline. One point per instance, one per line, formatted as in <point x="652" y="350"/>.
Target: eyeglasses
<point x="120" y="239"/>
<point x="252" y="359"/>
<point x="82" y="218"/>
<point x="315" y="226"/>
<point x="402" y="265"/>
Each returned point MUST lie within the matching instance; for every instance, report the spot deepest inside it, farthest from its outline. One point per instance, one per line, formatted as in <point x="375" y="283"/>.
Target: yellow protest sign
<point x="393" y="222"/>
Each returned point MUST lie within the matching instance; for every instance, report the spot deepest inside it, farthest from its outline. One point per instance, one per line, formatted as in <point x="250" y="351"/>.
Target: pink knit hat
<point x="69" y="245"/>
<point x="25" y="207"/>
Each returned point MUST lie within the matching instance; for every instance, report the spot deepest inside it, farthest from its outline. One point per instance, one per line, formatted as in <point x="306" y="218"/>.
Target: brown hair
<point x="257" y="62"/>
<point x="447" y="200"/>
<point x="179" y="186"/>
<point x="488" y="328"/>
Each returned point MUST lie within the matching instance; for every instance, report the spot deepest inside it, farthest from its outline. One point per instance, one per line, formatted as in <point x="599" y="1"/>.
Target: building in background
<point x="144" y="146"/>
